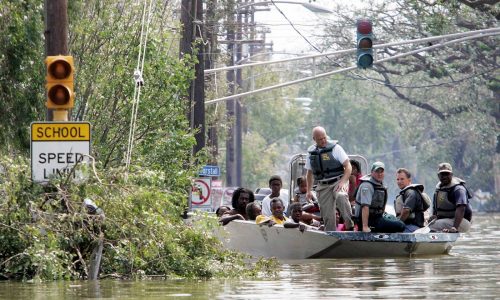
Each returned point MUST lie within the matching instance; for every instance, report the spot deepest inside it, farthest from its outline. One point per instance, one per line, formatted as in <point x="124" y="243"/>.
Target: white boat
<point x="287" y="243"/>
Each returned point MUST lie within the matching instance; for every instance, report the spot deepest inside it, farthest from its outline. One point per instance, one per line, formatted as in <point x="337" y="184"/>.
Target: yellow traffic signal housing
<point x="60" y="75"/>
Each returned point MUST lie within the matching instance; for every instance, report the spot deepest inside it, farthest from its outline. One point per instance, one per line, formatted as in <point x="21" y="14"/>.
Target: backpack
<point x="427" y="200"/>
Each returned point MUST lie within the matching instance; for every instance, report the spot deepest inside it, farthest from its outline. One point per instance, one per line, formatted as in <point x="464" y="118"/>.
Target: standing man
<point x="371" y="198"/>
<point x="409" y="205"/>
<point x="275" y="184"/>
<point x="451" y="203"/>
<point x="328" y="163"/>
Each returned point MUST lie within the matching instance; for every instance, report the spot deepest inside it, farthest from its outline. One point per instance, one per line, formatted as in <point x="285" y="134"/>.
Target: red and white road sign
<point x="200" y="192"/>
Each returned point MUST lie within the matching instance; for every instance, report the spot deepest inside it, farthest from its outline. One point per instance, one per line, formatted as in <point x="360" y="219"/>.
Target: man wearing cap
<point x="371" y="198"/>
<point x="328" y="163"/>
<point x="452" y="211"/>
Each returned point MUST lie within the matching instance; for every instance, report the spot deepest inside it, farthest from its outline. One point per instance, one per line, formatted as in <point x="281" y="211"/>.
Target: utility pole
<point x="231" y="105"/>
<point x="192" y="21"/>
<point x="238" y="124"/>
<point x="56" y="33"/>
<point x="210" y="49"/>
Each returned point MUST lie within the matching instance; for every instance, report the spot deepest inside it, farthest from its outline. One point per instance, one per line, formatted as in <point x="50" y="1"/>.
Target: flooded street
<point x="471" y="270"/>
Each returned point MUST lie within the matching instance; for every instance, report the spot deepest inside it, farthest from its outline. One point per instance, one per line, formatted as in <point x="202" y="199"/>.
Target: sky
<point x="283" y="36"/>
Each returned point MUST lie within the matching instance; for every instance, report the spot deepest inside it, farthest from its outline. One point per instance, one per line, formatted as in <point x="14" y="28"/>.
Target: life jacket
<point x="444" y="201"/>
<point x="323" y="164"/>
<point x="379" y="198"/>
<point x="400" y="200"/>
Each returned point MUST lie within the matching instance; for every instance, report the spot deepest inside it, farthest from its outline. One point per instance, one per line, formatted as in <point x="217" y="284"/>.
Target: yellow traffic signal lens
<point x="365" y="43"/>
<point x="60" y="69"/>
<point x="59" y="95"/>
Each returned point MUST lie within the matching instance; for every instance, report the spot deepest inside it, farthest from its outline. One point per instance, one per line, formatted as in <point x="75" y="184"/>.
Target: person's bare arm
<point x="459" y="216"/>
<point x="345" y="178"/>
<point x="309" y="179"/>
<point x="226" y="218"/>
<point x="365" y="212"/>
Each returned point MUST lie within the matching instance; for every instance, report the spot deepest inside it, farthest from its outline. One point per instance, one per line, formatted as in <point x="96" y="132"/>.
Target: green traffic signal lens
<point x="365" y="61"/>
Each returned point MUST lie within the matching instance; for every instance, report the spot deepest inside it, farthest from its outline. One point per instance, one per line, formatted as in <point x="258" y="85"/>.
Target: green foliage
<point x="260" y="160"/>
<point x="47" y="234"/>
<point x="426" y="108"/>
<point x="21" y="69"/>
<point x="354" y="116"/>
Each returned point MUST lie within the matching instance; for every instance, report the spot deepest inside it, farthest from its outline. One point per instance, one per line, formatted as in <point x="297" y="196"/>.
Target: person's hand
<point x="321" y="227"/>
<point x="309" y="195"/>
<point x="271" y="223"/>
<point x="451" y="230"/>
<point x="342" y="186"/>
<point x="366" y="229"/>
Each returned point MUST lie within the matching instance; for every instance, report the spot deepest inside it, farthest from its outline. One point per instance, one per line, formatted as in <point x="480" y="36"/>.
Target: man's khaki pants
<point x="329" y="201"/>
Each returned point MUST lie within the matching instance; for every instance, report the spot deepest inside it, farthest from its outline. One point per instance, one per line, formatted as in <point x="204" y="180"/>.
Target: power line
<point x="347" y="69"/>
<point x="387" y="45"/>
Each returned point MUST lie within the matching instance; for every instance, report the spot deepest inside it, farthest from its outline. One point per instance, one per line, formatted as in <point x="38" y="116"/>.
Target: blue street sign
<point x="213" y="171"/>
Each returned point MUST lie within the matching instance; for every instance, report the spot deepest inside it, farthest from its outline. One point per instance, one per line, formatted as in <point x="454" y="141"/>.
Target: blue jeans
<point x="411" y="228"/>
<point x="381" y="224"/>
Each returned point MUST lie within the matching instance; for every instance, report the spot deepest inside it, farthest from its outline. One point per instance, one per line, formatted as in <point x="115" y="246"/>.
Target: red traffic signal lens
<point x="60" y="69"/>
<point x="59" y="94"/>
<point x="364" y="26"/>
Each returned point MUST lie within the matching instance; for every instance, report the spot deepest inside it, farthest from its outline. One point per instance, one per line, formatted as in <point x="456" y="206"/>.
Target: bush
<point x="47" y="234"/>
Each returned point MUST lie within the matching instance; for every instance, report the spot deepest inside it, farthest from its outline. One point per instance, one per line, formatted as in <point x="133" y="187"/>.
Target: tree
<point x="450" y="95"/>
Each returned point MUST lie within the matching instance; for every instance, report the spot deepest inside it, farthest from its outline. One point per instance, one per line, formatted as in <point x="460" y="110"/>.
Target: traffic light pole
<point x="56" y="41"/>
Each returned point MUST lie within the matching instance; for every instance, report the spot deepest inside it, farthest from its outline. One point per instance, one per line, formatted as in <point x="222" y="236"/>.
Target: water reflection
<point x="470" y="270"/>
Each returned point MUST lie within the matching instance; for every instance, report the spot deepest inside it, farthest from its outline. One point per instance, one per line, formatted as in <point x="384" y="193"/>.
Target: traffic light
<point x="364" y="37"/>
<point x="60" y="73"/>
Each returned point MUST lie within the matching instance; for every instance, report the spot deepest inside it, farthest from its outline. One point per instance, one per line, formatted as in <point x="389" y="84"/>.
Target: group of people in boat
<point x="343" y="199"/>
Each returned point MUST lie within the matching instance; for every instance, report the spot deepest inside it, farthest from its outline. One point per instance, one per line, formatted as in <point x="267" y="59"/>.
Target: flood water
<point x="471" y="271"/>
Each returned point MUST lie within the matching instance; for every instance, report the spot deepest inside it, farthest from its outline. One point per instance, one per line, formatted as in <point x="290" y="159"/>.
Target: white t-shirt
<point x="337" y="152"/>
<point x="266" y="204"/>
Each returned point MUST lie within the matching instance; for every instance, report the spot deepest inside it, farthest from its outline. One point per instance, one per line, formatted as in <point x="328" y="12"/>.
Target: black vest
<point x="323" y="164"/>
<point x="416" y="217"/>
<point x="379" y="198"/>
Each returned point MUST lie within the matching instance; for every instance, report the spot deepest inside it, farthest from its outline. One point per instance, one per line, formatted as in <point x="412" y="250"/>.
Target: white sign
<point x="56" y="147"/>
<point x="200" y="194"/>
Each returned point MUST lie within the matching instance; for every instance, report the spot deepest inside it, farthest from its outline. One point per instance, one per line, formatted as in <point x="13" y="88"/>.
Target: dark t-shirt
<point x="413" y="201"/>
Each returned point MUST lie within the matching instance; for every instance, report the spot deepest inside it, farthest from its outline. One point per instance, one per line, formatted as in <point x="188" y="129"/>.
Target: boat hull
<point x="285" y="243"/>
